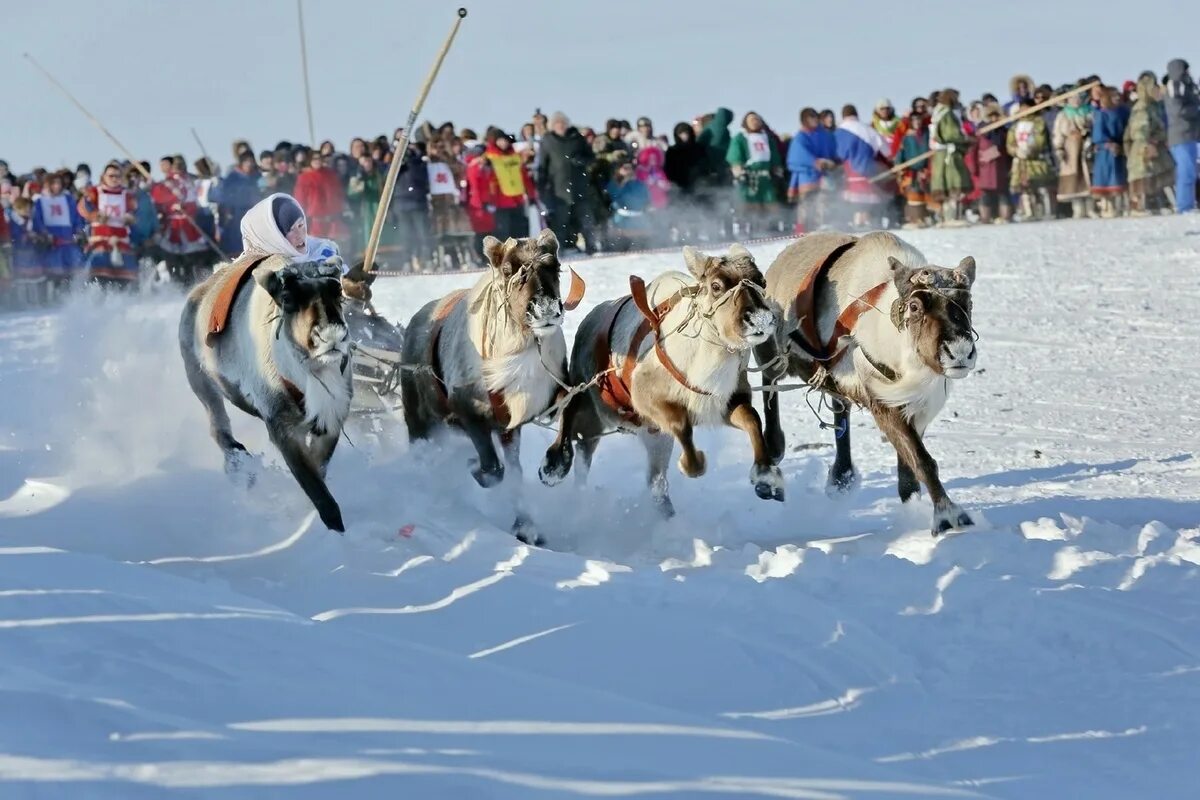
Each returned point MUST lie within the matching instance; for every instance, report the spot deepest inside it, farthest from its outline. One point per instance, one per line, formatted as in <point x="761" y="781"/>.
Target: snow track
<point x="164" y="633"/>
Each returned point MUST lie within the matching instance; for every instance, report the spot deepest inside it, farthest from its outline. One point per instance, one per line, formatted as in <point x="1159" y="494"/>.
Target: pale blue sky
<point x="152" y="69"/>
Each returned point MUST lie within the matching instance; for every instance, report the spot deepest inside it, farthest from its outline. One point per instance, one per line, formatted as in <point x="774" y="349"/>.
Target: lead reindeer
<point x="276" y="347"/>
<point x="664" y="359"/>
<point x="868" y="320"/>
<point x="491" y="358"/>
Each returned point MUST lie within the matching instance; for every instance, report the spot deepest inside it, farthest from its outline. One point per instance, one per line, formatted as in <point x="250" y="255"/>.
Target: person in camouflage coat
<point x="1032" y="172"/>
<point x="1151" y="168"/>
<point x="950" y="180"/>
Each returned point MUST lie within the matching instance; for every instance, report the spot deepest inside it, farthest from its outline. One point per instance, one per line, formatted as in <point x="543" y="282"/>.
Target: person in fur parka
<point x="1032" y="172"/>
<point x="948" y="139"/>
<point x="1149" y="161"/>
<point x="1072" y="132"/>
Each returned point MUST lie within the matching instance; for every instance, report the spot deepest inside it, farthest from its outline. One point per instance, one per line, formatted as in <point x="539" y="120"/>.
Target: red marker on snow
<point x="407" y="531"/>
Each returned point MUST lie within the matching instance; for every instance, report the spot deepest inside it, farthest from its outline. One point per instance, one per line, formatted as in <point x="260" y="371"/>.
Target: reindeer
<point x="276" y="347"/>
<point x="869" y="321"/>
<point x="664" y="359"/>
<point x="491" y="358"/>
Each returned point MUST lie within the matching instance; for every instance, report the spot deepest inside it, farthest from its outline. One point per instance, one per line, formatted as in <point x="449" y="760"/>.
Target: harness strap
<point x="848" y="319"/>
<point x="615" y="388"/>
<point x="575" y="295"/>
<point x="235" y="276"/>
<point x="655" y="316"/>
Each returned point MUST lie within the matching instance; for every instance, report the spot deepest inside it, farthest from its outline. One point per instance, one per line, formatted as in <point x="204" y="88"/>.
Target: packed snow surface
<point x="166" y="633"/>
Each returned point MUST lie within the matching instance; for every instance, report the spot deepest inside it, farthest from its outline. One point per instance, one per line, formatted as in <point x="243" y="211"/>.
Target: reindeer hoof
<point x="768" y="482"/>
<point x="487" y="478"/>
<point x="841" y="482"/>
<point x="556" y="465"/>
<point x="525" y="532"/>
<point x="332" y="517"/>
<point x="950" y="517"/>
<point x="665" y="507"/>
<point x="693" y="469"/>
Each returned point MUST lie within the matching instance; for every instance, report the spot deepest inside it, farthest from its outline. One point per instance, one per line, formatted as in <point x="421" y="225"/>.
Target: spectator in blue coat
<point x="630" y="223"/>
<point x="811" y="155"/>
<point x="234" y="196"/>
<point x="1183" y="129"/>
<point x="145" y="223"/>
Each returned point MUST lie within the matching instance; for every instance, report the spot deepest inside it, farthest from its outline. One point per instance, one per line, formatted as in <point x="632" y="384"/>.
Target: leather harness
<point x="829" y="352"/>
<point x="616" y="387"/>
<point x="235" y="276"/>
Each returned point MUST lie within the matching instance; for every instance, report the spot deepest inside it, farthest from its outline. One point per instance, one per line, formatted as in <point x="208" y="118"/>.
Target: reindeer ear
<point x="901" y="273"/>
<point x="276" y="284"/>
<point x="493" y="250"/>
<point x="736" y="250"/>
<point x="696" y="262"/>
<point x="547" y="242"/>
<point x="965" y="271"/>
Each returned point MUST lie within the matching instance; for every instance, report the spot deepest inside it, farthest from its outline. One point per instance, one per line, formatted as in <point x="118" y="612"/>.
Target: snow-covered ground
<point x="164" y="633"/>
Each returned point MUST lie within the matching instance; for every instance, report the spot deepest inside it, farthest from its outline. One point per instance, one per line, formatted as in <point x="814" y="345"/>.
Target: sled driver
<point x="276" y="225"/>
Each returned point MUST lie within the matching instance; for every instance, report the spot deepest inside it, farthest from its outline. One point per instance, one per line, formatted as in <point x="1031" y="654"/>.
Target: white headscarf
<point x="260" y="234"/>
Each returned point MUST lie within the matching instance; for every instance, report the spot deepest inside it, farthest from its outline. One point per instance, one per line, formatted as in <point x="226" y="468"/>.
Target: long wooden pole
<point x="203" y="151"/>
<point x="991" y="126"/>
<point x="124" y="150"/>
<point x="312" y="135"/>
<point x="389" y="183"/>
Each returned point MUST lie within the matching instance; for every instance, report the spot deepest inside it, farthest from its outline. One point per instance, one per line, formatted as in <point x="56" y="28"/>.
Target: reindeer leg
<point x="557" y="461"/>
<point x="843" y="477"/>
<point x="321" y="449"/>
<point x="766" y="356"/>
<point x="487" y="471"/>
<point x="587" y="449"/>
<point x="764" y="474"/>
<point x="298" y="460"/>
<point x="907" y="483"/>
<point x="911" y="450"/>
<point x="674" y="419"/>
<point x="658" y="455"/>
<point x="209" y="394"/>
<point x="523" y="528"/>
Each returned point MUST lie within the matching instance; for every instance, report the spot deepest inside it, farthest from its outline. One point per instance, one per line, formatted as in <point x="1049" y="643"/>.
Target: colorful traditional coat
<point x="1148" y="158"/>
<point x="1108" y="134"/>
<point x="1072" y="130"/>
<point x="805" y="149"/>
<point x="1031" y="169"/>
<point x="914" y="180"/>
<point x="758" y="156"/>
<point x="949" y="143"/>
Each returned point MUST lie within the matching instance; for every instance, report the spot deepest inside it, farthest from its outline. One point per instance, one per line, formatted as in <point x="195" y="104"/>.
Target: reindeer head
<point x="934" y="308"/>
<point x="309" y="297"/>
<point x="527" y="270"/>
<point x="731" y="295"/>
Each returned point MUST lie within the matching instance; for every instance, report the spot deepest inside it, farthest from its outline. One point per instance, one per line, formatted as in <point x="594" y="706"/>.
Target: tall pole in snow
<point x="389" y="183"/>
<point x="312" y="136"/>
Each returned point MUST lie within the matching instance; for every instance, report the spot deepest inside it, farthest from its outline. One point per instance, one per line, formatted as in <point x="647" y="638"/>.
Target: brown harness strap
<point x="616" y="388"/>
<point x="848" y="319"/>
<point x="495" y="399"/>
<point x="236" y="274"/>
<point x="655" y="316"/>
<point x="807" y="337"/>
<point x="806" y="301"/>
<point x="575" y="296"/>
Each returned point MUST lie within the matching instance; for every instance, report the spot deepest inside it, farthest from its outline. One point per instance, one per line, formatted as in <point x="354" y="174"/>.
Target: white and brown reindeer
<point x="270" y="338"/>
<point x="664" y="359"/>
<point x="494" y="357"/>
<point x="868" y="320"/>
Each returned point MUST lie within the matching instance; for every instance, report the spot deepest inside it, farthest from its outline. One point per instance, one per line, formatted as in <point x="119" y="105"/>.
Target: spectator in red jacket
<point x="319" y="192"/>
<point x="512" y="187"/>
<point x="480" y="195"/>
